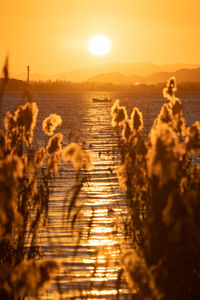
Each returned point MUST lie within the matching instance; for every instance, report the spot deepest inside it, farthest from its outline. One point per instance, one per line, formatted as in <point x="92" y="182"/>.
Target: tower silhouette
<point x="28" y="70"/>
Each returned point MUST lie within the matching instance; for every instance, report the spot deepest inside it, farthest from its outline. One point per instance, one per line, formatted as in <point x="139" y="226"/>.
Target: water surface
<point x="92" y="272"/>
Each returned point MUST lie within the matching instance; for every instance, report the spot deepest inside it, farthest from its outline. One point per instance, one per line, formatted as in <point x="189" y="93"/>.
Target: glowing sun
<point x="99" y="45"/>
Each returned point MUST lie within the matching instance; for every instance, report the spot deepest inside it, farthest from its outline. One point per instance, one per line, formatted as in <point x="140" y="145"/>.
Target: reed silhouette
<point x="26" y="176"/>
<point x="161" y="176"/>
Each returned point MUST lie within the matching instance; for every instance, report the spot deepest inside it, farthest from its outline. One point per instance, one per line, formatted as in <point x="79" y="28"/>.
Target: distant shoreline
<point x="15" y="85"/>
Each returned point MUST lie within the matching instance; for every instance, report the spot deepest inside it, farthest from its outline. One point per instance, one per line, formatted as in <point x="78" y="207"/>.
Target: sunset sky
<point x="52" y="35"/>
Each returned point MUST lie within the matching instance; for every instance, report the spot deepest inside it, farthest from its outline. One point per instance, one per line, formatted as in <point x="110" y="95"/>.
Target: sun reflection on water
<point x="92" y="272"/>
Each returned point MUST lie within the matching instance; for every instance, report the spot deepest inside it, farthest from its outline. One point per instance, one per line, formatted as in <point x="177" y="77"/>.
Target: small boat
<point x="101" y="100"/>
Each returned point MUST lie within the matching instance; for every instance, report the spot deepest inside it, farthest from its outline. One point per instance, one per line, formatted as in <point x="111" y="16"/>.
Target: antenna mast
<point x="28" y="70"/>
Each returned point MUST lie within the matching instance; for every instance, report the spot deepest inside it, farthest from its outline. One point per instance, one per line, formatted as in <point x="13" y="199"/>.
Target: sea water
<point x="90" y="268"/>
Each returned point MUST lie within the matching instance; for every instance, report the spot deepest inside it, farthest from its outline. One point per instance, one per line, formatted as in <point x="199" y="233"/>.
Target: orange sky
<point x="52" y="35"/>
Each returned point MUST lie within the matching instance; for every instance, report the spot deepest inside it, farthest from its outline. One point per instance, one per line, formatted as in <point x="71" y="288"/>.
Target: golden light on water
<point x="98" y="254"/>
<point x="99" y="45"/>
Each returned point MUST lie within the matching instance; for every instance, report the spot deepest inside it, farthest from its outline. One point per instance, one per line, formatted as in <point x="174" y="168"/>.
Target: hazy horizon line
<point x="105" y="64"/>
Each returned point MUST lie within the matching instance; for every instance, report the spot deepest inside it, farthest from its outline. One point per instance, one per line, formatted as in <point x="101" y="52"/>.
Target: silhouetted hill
<point x="144" y="68"/>
<point x="82" y="74"/>
<point x="128" y="69"/>
<point x="192" y="75"/>
<point x="179" y="66"/>
<point x="183" y="75"/>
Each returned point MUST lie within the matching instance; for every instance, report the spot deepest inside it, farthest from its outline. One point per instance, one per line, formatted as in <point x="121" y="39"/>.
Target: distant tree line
<point x="67" y="86"/>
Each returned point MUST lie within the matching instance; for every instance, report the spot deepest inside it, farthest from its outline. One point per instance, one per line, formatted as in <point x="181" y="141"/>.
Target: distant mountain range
<point x="125" y="72"/>
<point x="182" y="75"/>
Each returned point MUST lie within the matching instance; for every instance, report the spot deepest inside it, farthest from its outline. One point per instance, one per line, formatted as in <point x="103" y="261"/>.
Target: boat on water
<point x="101" y="100"/>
